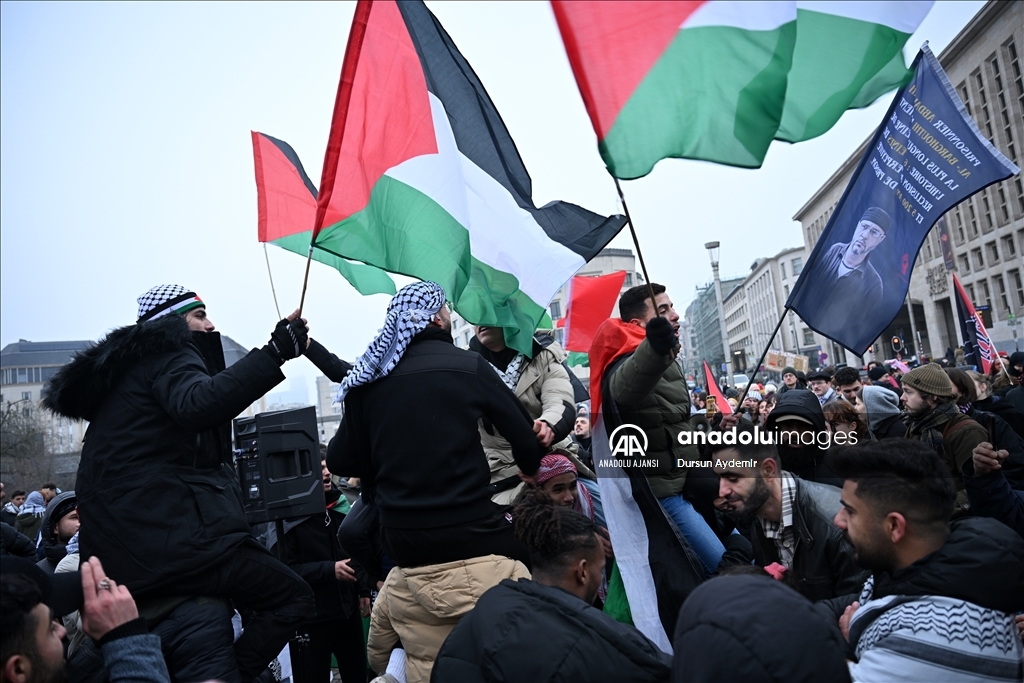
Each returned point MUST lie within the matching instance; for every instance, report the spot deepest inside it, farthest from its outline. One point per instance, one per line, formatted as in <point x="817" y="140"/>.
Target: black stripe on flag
<point x="482" y="137"/>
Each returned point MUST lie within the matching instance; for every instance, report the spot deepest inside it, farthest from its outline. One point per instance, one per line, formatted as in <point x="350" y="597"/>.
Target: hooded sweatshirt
<point x="883" y="412"/>
<point x="807" y="462"/>
<point x="53" y="550"/>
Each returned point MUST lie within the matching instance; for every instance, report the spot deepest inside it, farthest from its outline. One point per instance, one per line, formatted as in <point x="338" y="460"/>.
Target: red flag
<point x="977" y="345"/>
<point x="713" y="390"/>
<point x="591" y="302"/>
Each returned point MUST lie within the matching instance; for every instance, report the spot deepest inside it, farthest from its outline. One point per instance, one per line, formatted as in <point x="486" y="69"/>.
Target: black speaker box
<point x="278" y="460"/>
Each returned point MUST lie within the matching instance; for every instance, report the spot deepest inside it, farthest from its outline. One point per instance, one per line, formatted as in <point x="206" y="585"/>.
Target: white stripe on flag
<point x="629" y="539"/>
<point x="501" y="234"/>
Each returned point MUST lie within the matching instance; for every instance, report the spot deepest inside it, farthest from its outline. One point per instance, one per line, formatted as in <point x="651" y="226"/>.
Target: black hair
<point x="899" y="475"/>
<point x="749" y="451"/>
<point x="633" y="301"/>
<point x="964" y="385"/>
<point x="19" y="595"/>
<point x="18" y="493"/>
<point x="846" y="376"/>
<point x="555" y="535"/>
<point x="48" y="485"/>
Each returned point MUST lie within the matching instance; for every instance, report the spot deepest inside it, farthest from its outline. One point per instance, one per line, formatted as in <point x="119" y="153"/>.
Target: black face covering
<point x="211" y="349"/>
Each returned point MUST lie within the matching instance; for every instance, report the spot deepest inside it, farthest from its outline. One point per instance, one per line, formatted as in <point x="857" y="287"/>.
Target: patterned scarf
<point x="930" y="426"/>
<point x="408" y="314"/>
<point x="513" y="372"/>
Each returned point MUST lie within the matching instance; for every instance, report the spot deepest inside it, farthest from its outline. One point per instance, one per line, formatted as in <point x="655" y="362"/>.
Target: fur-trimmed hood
<point x="78" y="389"/>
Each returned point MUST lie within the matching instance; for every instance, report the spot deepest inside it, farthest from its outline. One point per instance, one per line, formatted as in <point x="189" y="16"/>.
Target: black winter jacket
<point x="1002" y="407"/>
<point x="526" y="631"/>
<point x="12" y="542"/>
<point x="891" y="427"/>
<point x="718" y="638"/>
<point x="157" y="495"/>
<point x="412" y="436"/>
<point x="823" y="560"/>
<point x="311" y="550"/>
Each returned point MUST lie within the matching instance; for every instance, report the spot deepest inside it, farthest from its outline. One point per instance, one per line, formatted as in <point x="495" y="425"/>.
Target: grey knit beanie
<point x="880" y="403"/>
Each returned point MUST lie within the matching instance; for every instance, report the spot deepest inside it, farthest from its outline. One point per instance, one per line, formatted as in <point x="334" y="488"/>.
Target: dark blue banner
<point x="927" y="156"/>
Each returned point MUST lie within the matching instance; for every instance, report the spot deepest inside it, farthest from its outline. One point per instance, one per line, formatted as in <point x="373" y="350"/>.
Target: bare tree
<point x="25" y="460"/>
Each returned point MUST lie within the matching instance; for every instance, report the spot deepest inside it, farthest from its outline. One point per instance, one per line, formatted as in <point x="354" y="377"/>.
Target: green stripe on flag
<point x="366" y="279"/>
<point x="402" y="230"/>
<point x="838" y="63"/>
<point x="711" y="78"/>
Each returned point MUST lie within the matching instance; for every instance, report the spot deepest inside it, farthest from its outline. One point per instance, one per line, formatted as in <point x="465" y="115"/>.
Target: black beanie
<point x="878" y="217"/>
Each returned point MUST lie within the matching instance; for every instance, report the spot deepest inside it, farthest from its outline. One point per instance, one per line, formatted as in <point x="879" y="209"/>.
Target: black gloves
<point x="288" y="339"/>
<point x="661" y="336"/>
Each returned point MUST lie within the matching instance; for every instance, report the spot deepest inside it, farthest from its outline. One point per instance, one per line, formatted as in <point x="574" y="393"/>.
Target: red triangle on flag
<point x="713" y="390"/>
<point x="591" y="301"/>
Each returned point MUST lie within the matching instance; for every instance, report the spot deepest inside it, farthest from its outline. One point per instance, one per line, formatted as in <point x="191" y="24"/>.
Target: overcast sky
<point x="127" y="161"/>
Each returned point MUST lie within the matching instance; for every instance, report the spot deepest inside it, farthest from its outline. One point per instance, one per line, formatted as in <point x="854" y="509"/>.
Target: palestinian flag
<point x="713" y="390"/>
<point x="719" y="80"/>
<point x="286" y="198"/>
<point x="422" y="178"/>
<point x="978" y="348"/>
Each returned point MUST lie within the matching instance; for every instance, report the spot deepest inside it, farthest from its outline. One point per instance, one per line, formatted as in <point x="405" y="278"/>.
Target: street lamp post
<point x="713" y="248"/>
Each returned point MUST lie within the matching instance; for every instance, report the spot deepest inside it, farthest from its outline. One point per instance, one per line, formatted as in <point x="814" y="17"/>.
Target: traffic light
<point x="897" y="343"/>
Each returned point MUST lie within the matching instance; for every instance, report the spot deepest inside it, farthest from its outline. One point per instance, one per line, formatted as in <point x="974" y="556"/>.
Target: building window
<point x="987" y="292"/>
<point x="1018" y="79"/>
<point x="785" y="289"/>
<point x="26" y="396"/>
<point x="986" y="116"/>
<point x="965" y="264"/>
<point x="808" y="337"/>
<point x="629" y="279"/>
<point x="22" y="376"/>
<point x="973" y="218"/>
<point x="1004" y="300"/>
<point x="1018" y="285"/>
<point x="1004" y="113"/>
<point x="987" y="204"/>
<point x="798" y="265"/>
<point x="1004" y="205"/>
<point x="1020" y="193"/>
<point x="993" y="252"/>
<point x="959" y="226"/>
<point x="556" y="310"/>
<point x="979" y="261"/>
<point x="782" y="269"/>
<point x="970" y="294"/>
<point x="965" y="95"/>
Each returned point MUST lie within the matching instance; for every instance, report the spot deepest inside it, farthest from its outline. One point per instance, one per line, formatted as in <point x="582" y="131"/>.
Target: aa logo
<point x="628" y="441"/>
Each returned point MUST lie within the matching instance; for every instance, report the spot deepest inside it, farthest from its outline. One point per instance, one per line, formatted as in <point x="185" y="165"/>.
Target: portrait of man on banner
<point x="848" y="264"/>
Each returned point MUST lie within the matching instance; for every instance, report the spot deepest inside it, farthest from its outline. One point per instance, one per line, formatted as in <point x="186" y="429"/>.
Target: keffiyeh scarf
<point x="408" y="314"/>
<point x="510" y="376"/>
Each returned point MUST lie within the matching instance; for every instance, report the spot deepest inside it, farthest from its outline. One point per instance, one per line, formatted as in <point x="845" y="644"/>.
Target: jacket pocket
<point x="216" y="505"/>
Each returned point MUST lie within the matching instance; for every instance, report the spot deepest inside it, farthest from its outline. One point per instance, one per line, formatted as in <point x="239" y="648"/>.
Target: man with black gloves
<point x="412" y="404"/>
<point x="636" y="356"/>
<point x="156" y="482"/>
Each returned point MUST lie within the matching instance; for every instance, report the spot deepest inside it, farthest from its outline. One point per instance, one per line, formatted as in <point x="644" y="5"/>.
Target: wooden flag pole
<point x="636" y="243"/>
<point x="271" y="276"/>
<point x="305" y="279"/>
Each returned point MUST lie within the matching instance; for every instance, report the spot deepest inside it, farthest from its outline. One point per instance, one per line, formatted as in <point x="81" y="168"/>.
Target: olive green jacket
<point x="651" y="393"/>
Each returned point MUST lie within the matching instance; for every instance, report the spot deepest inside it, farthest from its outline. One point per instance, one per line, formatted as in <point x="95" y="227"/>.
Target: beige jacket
<point x="420" y="606"/>
<point x="546" y="393"/>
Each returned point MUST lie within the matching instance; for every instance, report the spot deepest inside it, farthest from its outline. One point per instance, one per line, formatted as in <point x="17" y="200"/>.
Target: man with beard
<point x="940" y="601"/>
<point x="60" y="524"/>
<point x="933" y="419"/>
<point x="793" y="518"/>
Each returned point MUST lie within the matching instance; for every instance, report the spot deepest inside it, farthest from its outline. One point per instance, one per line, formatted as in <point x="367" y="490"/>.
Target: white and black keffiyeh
<point x="166" y="299"/>
<point x="409" y="313"/>
<point x="510" y="376"/>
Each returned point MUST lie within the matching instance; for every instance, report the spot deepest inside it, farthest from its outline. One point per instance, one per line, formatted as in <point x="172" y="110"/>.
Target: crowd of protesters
<point x="879" y="537"/>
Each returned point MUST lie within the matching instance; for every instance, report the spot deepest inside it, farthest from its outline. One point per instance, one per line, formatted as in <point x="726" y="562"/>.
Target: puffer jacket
<point x="545" y="391"/>
<point x="419" y="607"/>
<point x="651" y="393"/>
<point x="157" y="493"/>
